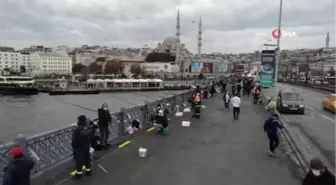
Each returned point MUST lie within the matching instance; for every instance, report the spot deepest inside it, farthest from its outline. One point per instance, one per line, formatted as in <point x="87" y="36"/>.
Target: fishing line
<point x="75" y="105"/>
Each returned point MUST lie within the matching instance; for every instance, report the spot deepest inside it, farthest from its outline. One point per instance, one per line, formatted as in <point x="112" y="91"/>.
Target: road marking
<point x="150" y="129"/>
<point x="326" y="117"/>
<point x="124" y="144"/>
<point x="309" y="107"/>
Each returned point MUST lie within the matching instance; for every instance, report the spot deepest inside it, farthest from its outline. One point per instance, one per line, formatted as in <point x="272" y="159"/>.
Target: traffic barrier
<point x="326" y="88"/>
<point x="51" y="148"/>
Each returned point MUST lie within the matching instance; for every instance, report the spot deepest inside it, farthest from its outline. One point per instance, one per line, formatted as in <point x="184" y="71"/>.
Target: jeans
<point x="236" y="111"/>
<point x="226" y="104"/>
<point x="82" y="157"/>
<point x="273" y="142"/>
<point x="104" y="135"/>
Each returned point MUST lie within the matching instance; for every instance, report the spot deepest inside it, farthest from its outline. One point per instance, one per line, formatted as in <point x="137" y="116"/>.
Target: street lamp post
<point x="278" y="51"/>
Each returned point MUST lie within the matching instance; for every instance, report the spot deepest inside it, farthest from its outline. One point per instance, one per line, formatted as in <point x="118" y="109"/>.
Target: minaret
<point x="199" y="44"/>
<point x="178" y="44"/>
<point x="327" y="40"/>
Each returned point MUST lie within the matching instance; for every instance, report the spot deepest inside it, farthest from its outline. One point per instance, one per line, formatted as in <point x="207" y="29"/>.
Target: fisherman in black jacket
<point x="17" y="172"/>
<point x="318" y="174"/>
<point x="81" y="144"/>
<point x="104" y="118"/>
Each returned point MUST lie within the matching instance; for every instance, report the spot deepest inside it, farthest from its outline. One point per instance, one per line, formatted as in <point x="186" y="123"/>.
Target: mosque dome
<point x="169" y="41"/>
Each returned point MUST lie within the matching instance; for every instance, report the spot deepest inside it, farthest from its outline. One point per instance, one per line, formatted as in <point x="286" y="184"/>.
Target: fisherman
<point x="104" y="119"/>
<point x="81" y="144"/>
<point x="17" y="172"/>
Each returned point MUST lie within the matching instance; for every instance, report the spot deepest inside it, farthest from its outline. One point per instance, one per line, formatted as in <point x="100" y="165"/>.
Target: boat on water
<point x="17" y="85"/>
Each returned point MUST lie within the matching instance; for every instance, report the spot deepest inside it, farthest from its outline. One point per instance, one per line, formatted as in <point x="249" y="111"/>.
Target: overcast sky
<point x="228" y="25"/>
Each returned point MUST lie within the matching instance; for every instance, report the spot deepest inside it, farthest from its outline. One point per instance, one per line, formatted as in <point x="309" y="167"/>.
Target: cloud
<point x="228" y="26"/>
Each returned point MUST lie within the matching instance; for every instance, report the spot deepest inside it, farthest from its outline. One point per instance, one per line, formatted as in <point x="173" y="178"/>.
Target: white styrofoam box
<point x="185" y="123"/>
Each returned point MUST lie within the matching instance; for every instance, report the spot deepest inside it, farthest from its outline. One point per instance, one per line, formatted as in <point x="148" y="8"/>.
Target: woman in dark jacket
<point x="104" y="118"/>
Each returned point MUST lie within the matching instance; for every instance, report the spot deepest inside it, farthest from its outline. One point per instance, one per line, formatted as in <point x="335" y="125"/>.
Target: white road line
<point x="309" y="107"/>
<point x="326" y="117"/>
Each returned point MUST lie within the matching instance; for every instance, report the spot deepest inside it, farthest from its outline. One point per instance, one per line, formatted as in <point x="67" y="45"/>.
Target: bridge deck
<point x="214" y="150"/>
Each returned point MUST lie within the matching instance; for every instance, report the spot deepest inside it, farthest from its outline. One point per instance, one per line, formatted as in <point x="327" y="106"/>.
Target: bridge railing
<point x="53" y="147"/>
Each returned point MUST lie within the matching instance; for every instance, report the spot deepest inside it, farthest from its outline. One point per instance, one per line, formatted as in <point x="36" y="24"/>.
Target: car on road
<point x="290" y="101"/>
<point x="329" y="103"/>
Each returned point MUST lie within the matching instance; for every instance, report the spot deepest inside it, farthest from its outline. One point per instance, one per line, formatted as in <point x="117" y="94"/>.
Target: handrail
<point x="53" y="147"/>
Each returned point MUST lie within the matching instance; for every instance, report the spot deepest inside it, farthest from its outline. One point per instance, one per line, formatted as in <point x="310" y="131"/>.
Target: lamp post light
<point x="278" y="51"/>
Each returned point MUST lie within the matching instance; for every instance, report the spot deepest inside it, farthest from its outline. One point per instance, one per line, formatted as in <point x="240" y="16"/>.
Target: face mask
<point x="316" y="172"/>
<point x="105" y="108"/>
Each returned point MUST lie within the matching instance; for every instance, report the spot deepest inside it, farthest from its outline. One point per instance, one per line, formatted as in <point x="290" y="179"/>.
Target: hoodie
<point x="272" y="125"/>
<point x="17" y="172"/>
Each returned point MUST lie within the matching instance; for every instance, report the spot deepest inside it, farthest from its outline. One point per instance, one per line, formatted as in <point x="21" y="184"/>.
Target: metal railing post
<point x="122" y="121"/>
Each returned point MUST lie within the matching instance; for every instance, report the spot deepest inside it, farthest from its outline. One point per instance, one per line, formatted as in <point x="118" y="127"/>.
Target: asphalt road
<point x="215" y="150"/>
<point x="317" y="126"/>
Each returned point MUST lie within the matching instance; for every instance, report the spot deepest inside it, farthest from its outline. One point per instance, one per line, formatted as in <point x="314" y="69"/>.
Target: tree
<point x="201" y="76"/>
<point x="23" y="69"/>
<point x="95" y="68"/>
<point x="114" y="67"/>
<point x="331" y="71"/>
<point x="160" y="57"/>
<point x="137" y="69"/>
<point x="78" y="68"/>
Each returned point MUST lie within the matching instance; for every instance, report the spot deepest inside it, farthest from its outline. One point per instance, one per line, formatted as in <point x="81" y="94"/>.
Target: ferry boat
<point x="17" y="85"/>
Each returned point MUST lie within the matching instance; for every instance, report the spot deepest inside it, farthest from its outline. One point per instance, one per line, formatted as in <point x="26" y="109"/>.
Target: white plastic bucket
<point x="142" y="152"/>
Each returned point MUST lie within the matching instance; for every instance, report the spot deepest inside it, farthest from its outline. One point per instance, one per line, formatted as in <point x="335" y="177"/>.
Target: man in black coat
<point x="318" y="174"/>
<point x="81" y="144"/>
<point x="104" y="118"/>
<point x="17" y="172"/>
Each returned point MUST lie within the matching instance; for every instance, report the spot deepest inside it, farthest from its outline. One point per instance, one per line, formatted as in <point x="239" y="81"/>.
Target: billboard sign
<point x="195" y="67"/>
<point x="267" y="68"/>
<point x="222" y="67"/>
<point x="207" y="68"/>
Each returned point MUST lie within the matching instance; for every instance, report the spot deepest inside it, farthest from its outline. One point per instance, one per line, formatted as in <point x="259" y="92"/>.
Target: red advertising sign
<point x="207" y="68"/>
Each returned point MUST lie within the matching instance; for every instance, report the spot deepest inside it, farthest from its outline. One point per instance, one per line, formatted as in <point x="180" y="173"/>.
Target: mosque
<point x="173" y="44"/>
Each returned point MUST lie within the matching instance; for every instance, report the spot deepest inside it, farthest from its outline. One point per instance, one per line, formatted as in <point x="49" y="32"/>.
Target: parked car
<point x="329" y="103"/>
<point x="290" y="101"/>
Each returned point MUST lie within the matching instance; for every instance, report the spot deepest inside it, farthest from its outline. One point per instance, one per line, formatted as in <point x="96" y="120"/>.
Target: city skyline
<point x="230" y="26"/>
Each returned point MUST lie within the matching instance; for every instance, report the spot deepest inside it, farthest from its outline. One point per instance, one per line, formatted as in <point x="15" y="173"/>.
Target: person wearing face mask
<point x="104" y="118"/>
<point x="318" y="174"/>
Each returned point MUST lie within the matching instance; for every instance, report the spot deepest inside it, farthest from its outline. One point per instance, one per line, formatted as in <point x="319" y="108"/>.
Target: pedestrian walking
<point x="235" y="101"/>
<point x="226" y="99"/>
<point x="318" y="174"/>
<point x="81" y="144"/>
<point x="17" y="172"/>
<point x="104" y="118"/>
<point x="271" y="127"/>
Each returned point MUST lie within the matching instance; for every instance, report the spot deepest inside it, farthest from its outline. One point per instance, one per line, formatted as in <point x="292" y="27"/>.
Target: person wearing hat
<point x="17" y="172"/>
<point x="271" y="127"/>
<point x="318" y="174"/>
<point x="104" y="118"/>
<point x="81" y="144"/>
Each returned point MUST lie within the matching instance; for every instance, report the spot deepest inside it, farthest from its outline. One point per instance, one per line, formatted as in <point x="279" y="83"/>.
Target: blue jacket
<point x="272" y="125"/>
<point x="17" y="172"/>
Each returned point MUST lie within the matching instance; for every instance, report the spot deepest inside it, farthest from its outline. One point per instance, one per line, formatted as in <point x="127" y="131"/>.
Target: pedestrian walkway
<point x="214" y="150"/>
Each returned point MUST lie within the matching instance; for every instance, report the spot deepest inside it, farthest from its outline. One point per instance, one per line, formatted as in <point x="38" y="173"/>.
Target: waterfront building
<point x="14" y="60"/>
<point x="51" y="63"/>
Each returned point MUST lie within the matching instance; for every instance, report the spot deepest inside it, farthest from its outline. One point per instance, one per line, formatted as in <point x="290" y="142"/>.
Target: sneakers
<point x="88" y="172"/>
<point x="272" y="154"/>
